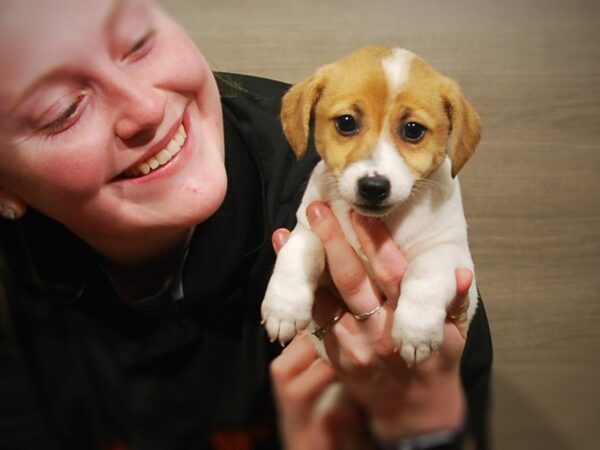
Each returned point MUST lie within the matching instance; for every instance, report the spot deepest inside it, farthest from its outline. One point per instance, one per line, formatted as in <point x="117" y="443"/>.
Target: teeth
<point x="173" y="147"/>
<point x="153" y="163"/>
<point x="144" y="168"/>
<point x="162" y="157"/>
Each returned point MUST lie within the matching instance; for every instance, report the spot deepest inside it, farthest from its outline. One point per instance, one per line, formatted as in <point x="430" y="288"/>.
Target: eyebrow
<point x="114" y="12"/>
<point x="115" y="9"/>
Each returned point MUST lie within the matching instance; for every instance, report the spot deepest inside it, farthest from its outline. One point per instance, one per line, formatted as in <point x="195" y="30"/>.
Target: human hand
<point x="300" y="379"/>
<point x="400" y="401"/>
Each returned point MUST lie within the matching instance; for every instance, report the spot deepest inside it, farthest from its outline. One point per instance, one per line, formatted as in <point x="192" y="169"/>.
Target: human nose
<point x="141" y="110"/>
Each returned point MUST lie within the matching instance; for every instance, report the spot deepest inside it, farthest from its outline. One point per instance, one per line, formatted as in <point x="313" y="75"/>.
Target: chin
<point x="203" y="198"/>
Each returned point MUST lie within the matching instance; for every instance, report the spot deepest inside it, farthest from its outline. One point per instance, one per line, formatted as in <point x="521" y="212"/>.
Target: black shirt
<point x="188" y="369"/>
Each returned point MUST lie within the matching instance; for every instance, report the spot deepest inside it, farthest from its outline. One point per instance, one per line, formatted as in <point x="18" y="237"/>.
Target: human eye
<point x="63" y="114"/>
<point x="140" y="47"/>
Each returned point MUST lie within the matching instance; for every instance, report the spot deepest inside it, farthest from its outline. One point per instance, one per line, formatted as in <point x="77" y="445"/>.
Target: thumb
<point x="279" y="238"/>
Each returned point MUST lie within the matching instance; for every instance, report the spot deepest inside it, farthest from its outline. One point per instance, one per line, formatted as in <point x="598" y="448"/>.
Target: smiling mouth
<point x="159" y="159"/>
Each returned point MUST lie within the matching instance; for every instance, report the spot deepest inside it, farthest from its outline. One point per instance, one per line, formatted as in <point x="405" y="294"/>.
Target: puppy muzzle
<point x="372" y="193"/>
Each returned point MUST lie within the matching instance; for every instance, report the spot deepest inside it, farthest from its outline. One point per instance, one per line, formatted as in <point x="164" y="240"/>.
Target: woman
<point x="140" y="195"/>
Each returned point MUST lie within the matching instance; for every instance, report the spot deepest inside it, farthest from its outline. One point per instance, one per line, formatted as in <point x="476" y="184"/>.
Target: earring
<point x="11" y="212"/>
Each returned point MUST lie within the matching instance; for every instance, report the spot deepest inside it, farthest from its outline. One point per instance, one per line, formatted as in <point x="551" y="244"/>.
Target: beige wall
<point x="532" y="68"/>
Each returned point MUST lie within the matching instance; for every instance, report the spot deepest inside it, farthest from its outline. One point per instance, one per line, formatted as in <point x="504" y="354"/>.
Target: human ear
<point x="12" y="206"/>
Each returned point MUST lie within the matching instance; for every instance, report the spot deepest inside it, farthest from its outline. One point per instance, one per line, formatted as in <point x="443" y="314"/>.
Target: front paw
<point x="418" y="330"/>
<point x="286" y="308"/>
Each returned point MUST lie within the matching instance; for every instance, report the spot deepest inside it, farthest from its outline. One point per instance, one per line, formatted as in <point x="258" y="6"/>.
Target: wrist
<point x="439" y="409"/>
<point x="439" y="440"/>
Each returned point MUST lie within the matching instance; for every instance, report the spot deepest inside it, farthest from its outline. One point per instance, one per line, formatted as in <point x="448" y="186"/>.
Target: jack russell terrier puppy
<point x="392" y="134"/>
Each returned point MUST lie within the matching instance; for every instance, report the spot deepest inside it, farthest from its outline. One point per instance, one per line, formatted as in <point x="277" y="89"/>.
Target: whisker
<point x="426" y="182"/>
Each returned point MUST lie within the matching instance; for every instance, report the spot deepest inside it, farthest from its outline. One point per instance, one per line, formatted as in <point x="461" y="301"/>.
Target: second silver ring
<point x="366" y="315"/>
<point x="320" y="333"/>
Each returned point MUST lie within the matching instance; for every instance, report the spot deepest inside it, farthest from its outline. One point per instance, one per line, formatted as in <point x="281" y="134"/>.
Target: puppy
<point x="392" y="134"/>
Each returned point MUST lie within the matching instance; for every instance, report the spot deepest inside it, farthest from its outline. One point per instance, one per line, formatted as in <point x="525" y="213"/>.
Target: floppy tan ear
<point x="296" y="110"/>
<point x="465" y="126"/>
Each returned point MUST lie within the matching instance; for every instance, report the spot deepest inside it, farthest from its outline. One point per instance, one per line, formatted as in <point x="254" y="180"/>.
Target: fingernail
<point x="278" y="240"/>
<point x="316" y="212"/>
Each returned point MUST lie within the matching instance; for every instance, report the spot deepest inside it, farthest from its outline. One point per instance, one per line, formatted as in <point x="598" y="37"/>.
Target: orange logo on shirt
<point x="240" y="439"/>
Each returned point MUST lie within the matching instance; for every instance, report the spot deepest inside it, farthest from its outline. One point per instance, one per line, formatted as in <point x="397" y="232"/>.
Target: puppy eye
<point x="346" y="125"/>
<point x="413" y="132"/>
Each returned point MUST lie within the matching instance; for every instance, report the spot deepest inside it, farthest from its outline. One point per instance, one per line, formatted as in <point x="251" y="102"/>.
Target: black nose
<point x="374" y="189"/>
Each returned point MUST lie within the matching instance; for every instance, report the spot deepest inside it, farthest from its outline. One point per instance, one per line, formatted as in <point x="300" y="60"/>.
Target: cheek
<point x="419" y="162"/>
<point x="182" y="68"/>
<point x="78" y="174"/>
<point x="57" y="174"/>
<point x="424" y="157"/>
<point x="339" y="152"/>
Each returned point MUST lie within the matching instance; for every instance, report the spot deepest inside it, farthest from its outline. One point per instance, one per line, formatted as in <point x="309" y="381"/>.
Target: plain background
<point x="532" y="69"/>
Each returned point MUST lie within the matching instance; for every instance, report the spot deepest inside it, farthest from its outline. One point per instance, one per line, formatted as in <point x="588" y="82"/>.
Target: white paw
<point x="286" y="308"/>
<point x="418" y="330"/>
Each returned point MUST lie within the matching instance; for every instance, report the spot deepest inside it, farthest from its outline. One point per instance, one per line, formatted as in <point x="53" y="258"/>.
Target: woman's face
<point x="91" y="95"/>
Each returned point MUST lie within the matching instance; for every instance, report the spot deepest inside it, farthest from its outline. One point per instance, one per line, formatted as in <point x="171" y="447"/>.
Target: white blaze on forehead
<point x="397" y="68"/>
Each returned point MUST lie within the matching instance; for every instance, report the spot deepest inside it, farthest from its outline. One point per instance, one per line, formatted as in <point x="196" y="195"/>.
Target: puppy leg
<point x="428" y="287"/>
<point x="287" y="306"/>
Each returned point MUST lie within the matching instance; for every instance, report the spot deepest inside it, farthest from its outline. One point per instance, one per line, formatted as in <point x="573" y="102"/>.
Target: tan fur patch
<point x="419" y="101"/>
<point x="357" y="85"/>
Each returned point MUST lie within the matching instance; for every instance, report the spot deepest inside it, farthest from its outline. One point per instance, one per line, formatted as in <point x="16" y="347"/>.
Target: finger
<point x="464" y="279"/>
<point x="279" y="238"/>
<point x="460" y="304"/>
<point x="457" y="310"/>
<point x="308" y="385"/>
<point x="387" y="262"/>
<point x="294" y="359"/>
<point x="325" y="307"/>
<point x="299" y="376"/>
<point x="346" y="269"/>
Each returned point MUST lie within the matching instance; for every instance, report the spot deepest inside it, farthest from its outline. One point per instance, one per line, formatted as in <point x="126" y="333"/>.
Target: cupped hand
<point x="300" y="380"/>
<point x="399" y="400"/>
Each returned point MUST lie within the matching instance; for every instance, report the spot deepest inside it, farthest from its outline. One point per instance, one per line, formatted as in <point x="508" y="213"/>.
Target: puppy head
<point x="383" y="119"/>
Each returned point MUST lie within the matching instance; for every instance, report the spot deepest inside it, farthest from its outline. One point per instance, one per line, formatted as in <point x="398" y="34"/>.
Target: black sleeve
<point x="476" y="371"/>
<point x="22" y="424"/>
<point x="255" y="103"/>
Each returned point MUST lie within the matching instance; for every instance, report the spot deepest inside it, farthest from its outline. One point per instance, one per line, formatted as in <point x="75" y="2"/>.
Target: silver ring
<point x="320" y="333"/>
<point x="366" y="315"/>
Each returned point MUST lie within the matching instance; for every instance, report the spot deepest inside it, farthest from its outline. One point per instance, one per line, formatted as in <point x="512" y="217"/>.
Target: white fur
<point x="429" y="227"/>
<point x="385" y="161"/>
<point x="397" y="68"/>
